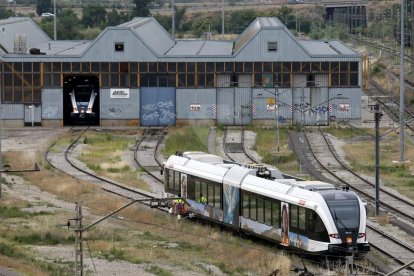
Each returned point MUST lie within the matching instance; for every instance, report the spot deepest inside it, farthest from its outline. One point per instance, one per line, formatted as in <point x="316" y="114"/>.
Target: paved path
<point x="8" y="272"/>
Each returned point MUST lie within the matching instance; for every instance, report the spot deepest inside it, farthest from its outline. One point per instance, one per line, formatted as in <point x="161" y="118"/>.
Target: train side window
<point x="253" y="208"/>
<point x="302" y="218"/>
<point x="177" y="181"/>
<point x="293" y="213"/>
<point x="260" y="210"/>
<point x="210" y="195"/>
<point x="197" y="186"/>
<point x="191" y="191"/>
<point x="276" y="213"/>
<point x="217" y="196"/>
<point x="315" y="228"/>
<point x="171" y="179"/>
<point x="245" y="205"/>
<point x="268" y="212"/>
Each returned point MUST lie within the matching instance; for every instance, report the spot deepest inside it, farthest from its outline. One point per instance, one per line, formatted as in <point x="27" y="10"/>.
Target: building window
<point x="119" y="46"/>
<point x="272" y="46"/>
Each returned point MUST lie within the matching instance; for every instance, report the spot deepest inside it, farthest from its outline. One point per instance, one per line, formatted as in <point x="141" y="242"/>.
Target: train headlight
<point x="348" y="239"/>
<point x="335" y="236"/>
<point x="361" y="235"/>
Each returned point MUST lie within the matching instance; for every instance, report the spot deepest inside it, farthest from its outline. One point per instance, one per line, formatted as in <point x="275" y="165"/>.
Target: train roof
<point x="205" y="166"/>
<point x="203" y="157"/>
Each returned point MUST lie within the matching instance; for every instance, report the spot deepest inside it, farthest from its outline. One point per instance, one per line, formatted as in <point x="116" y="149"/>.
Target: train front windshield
<point x="83" y="96"/>
<point x="344" y="208"/>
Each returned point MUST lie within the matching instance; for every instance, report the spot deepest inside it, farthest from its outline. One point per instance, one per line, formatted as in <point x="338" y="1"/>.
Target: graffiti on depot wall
<point x="159" y="111"/>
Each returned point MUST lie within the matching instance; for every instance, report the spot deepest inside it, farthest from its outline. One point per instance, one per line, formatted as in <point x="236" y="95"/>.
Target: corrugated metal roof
<point x="342" y="48"/>
<point x="328" y="48"/>
<point x="201" y="48"/>
<point x="151" y="33"/>
<point x="254" y="28"/>
<point x="67" y="48"/>
<point x="318" y="47"/>
<point x="20" y="25"/>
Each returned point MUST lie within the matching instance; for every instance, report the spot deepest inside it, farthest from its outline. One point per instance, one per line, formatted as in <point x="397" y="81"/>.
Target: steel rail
<point x="367" y="196"/>
<point x="66" y="154"/>
<point x="360" y="177"/>
<point x="137" y="145"/>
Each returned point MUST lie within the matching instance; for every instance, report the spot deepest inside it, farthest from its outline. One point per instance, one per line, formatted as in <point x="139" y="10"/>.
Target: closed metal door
<point x="32" y="115"/>
<point x="157" y="106"/>
<point x="301" y="106"/>
<point x="234" y="106"/>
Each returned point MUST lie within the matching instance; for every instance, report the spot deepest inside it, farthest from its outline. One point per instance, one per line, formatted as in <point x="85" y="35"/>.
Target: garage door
<point x="157" y="106"/>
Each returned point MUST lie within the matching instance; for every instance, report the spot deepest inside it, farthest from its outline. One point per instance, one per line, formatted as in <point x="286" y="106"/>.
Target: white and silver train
<point x="309" y="215"/>
<point x="83" y="98"/>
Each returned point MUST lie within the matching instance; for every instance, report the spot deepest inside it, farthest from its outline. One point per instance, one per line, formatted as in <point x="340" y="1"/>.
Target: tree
<point x="93" y="16"/>
<point x="68" y="25"/>
<point x="114" y="18"/>
<point x="141" y="8"/>
<point x="43" y="6"/>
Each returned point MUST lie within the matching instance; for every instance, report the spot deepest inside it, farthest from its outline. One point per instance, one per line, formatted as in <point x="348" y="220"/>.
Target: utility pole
<point x="54" y="20"/>
<point x="222" y="19"/>
<point x="78" y="240"/>
<point x="378" y="115"/>
<point x="349" y="265"/>
<point x="79" y="229"/>
<point x="402" y="42"/>
<point x="173" y="19"/>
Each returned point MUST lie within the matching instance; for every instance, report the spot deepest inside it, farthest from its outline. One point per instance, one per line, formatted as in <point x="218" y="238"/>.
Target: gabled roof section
<point x="13" y="26"/>
<point x="151" y="33"/>
<point x="64" y="47"/>
<point x="327" y="48"/>
<point x="201" y="48"/>
<point x="254" y="28"/>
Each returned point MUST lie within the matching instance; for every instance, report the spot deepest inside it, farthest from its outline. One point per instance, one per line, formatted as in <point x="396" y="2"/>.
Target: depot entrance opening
<point x="80" y="100"/>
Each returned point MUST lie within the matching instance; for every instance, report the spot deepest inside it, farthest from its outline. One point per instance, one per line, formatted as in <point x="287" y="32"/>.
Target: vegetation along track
<point x="146" y="148"/>
<point x="390" y="105"/>
<point x="64" y="163"/>
<point x="321" y="148"/>
<point x="233" y="145"/>
<point x="389" y="50"/>
<point x="396" y="249"/>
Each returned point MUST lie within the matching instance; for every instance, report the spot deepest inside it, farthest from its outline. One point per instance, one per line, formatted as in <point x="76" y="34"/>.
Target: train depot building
<point x="136" y="74"/>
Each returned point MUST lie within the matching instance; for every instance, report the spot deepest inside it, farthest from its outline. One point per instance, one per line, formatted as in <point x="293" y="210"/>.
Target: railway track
<point x="145" y="154"/>
<point x="70" y="166"/>
<point x="321" y="148"/>
<point x="400" y="207"/>
<point x="395" y="249"/>
<point x="234" y="148"/>
<point x="395" y="53"/>
<point x="390" y="105"/>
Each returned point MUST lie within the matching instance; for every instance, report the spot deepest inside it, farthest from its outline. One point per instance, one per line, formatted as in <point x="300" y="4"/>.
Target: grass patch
<point x="267" y="147"/>
<point x="361" y="156"/>
<point x="44" y="239"/>
<point x="14" y="212"/>
<point x="9" y="251"/>
<point x="348" y="132"/>
<point x="156" y="270"/>
<point x="193" y="138"/>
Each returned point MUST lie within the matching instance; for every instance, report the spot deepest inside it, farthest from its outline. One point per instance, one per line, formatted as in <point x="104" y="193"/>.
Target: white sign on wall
<point x="119" y="93"/>
<point x="195" y="107"/>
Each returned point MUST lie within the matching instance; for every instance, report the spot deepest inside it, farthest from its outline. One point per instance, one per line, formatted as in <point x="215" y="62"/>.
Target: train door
<point x="81" y="100"/>
<point x="32" y="115"/>
<point x="234" y="106"/>
<point x="157" y="106"/>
